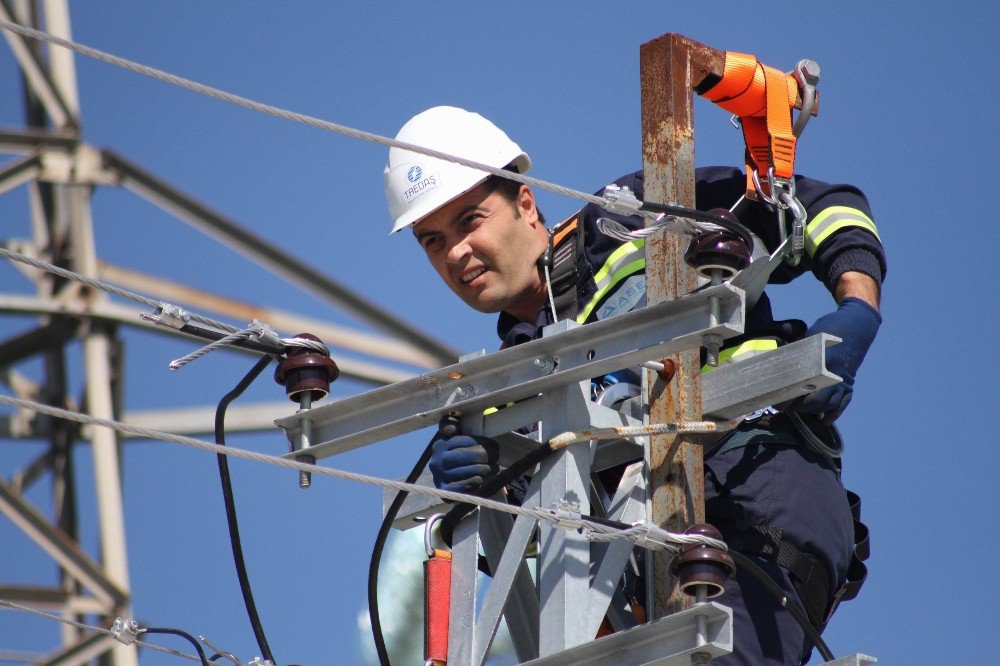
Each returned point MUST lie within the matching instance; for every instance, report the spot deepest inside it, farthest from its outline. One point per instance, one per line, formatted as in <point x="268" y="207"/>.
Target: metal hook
<point x="429" y="533"/>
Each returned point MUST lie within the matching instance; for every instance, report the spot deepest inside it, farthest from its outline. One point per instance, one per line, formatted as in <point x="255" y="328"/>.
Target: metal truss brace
<point x="62" y="549"/>
<point x="296" y="272"/>
<point x="36" y="73"/>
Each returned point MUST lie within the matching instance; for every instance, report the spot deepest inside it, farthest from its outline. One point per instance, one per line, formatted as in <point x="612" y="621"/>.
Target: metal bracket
<point x="670" y="641"/>
<point x="512" y="375"/>
<point x="768" y="379"/>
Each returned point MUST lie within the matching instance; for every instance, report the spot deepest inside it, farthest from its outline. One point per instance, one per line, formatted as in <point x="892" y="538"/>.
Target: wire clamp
<point x="260" y="661"/>
<point x="171" y="316"/>
<point x="566" y="515"/>
<point x="621" y="201"/>
<point x="264" y="333"/>
<point x="125" y="631"/>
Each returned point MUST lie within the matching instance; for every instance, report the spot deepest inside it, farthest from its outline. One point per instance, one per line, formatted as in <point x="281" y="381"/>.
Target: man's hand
<point x="461" y="463"/>
<point x="856" y="322"/>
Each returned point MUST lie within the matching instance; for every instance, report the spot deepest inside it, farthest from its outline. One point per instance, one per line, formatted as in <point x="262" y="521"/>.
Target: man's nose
<point x="458" y="251"/>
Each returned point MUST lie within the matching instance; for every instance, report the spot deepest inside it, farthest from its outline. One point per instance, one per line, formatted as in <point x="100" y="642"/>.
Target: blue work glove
<point x="461" y="463"/>
<point x="856" y="323"/>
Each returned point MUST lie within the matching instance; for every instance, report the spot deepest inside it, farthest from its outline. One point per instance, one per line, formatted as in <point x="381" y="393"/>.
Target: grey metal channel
<point x="768" y="379"/>
<point x="669" y="641"/>
<point x="521" y="372"/>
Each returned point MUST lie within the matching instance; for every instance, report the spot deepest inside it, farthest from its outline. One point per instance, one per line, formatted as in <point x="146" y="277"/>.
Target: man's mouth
<point x="469" y="277"/>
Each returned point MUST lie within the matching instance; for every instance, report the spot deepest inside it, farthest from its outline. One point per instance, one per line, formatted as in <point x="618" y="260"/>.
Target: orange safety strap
<point x="763" y="98"/>
<point x="437" y="601"/>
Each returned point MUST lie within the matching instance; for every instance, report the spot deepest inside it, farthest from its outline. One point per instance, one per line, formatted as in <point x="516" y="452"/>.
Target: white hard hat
<point x="417" y="185"/>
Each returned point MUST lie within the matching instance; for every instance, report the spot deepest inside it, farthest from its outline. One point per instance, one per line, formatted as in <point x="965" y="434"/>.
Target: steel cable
<point x="79" y="625"/>
<point x="236" y="334"/>
<point x="653" y="535"/>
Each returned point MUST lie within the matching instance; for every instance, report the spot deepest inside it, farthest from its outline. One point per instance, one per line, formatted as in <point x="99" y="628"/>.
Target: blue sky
<point x="907" y="97"/>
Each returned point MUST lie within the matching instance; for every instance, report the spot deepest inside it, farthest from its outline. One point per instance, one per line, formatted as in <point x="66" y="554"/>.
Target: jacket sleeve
<point x="840" y="233"/>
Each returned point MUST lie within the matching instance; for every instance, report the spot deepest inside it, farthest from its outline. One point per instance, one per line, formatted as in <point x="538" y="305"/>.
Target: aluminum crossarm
<point x="769" y="379"/>
<point x="521" y="372"/>
<point x="670" y="641"/>
<point x="856" y="659"/>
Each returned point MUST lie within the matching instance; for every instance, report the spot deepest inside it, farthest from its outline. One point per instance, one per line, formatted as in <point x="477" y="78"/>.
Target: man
<point x="772" y="485"/>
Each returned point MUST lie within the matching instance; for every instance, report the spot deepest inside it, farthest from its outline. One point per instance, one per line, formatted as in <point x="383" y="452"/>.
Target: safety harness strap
<point x="762" y="98"/>
<point x="565" y="243"/>
<point x="809" y="575"/>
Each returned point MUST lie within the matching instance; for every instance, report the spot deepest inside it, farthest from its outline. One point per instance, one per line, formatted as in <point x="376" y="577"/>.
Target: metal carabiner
<point x="790" y="201"/>
<point x="768" y="200"/>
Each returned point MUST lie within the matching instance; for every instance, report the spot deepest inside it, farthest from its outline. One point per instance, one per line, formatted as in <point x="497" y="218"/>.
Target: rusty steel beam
<point x="670" y="67"/>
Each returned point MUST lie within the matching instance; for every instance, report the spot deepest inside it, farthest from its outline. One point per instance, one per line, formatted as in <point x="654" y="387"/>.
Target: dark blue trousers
<point x="798" y="490"/>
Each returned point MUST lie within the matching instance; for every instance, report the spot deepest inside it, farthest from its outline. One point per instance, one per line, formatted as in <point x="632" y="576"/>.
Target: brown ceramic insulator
<point x="306" y="370"/>
<point x="703" y="565"/>
<point x="722" y="250"/>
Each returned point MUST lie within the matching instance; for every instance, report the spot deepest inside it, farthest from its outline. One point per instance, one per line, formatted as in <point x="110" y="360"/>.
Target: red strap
<point x="437" y="600"/>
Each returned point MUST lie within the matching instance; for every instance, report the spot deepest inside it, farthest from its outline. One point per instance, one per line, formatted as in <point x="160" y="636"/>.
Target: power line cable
<point x="645" y="535"/>
<point x="260" y="332"/>
<point x="88" y="627"/>
<point x="699" y="219"/>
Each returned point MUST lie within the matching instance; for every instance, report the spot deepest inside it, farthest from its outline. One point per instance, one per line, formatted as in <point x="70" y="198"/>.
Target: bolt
<point x="305" y="478"/>
<point x="809" y="70"/>
<point x="712" y="344"/>
<point x="546" y="363"/>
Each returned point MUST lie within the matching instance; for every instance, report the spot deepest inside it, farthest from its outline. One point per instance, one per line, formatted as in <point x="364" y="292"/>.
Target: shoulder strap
<point x="565" y="244"/>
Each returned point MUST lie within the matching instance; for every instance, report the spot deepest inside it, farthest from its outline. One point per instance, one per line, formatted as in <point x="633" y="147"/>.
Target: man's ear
<point x="526" y="205"/>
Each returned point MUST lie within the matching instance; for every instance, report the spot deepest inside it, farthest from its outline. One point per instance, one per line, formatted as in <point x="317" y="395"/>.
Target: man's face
<point x="484" y="247"/>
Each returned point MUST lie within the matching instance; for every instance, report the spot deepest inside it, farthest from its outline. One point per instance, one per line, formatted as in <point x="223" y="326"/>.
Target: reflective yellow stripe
<point x="834" y="219"/>
<point x="732" y="354"/>
<point x="619" y="266"/>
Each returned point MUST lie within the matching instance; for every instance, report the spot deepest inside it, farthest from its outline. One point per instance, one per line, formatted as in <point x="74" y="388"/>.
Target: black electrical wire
<point x="449" y="427"/>
<point x="752" y="568"/>
<point x="227" y="494"/>
<point x="182" y="634"/>
<point x="679" y="211"/>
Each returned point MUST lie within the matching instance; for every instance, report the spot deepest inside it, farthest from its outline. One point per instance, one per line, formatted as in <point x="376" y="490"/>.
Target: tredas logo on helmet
<point x="417" y="185"/>
<point x="420" y="185"/>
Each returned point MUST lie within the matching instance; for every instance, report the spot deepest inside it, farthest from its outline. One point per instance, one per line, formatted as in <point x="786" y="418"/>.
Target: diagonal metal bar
<point x="521" y="372"/>
<point x="19" y="172"/>
<point x="81" y="652"/>
<point x="36" y="74"/>
<point x="60" y="547"/>
<point x="272" y="258"/>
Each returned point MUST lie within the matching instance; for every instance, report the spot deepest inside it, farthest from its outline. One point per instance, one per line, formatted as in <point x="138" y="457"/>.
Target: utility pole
<point x="670" y="66"/>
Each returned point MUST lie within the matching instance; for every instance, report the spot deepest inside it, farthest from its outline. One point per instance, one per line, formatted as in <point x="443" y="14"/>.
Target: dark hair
<point x="507" y="188"/>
